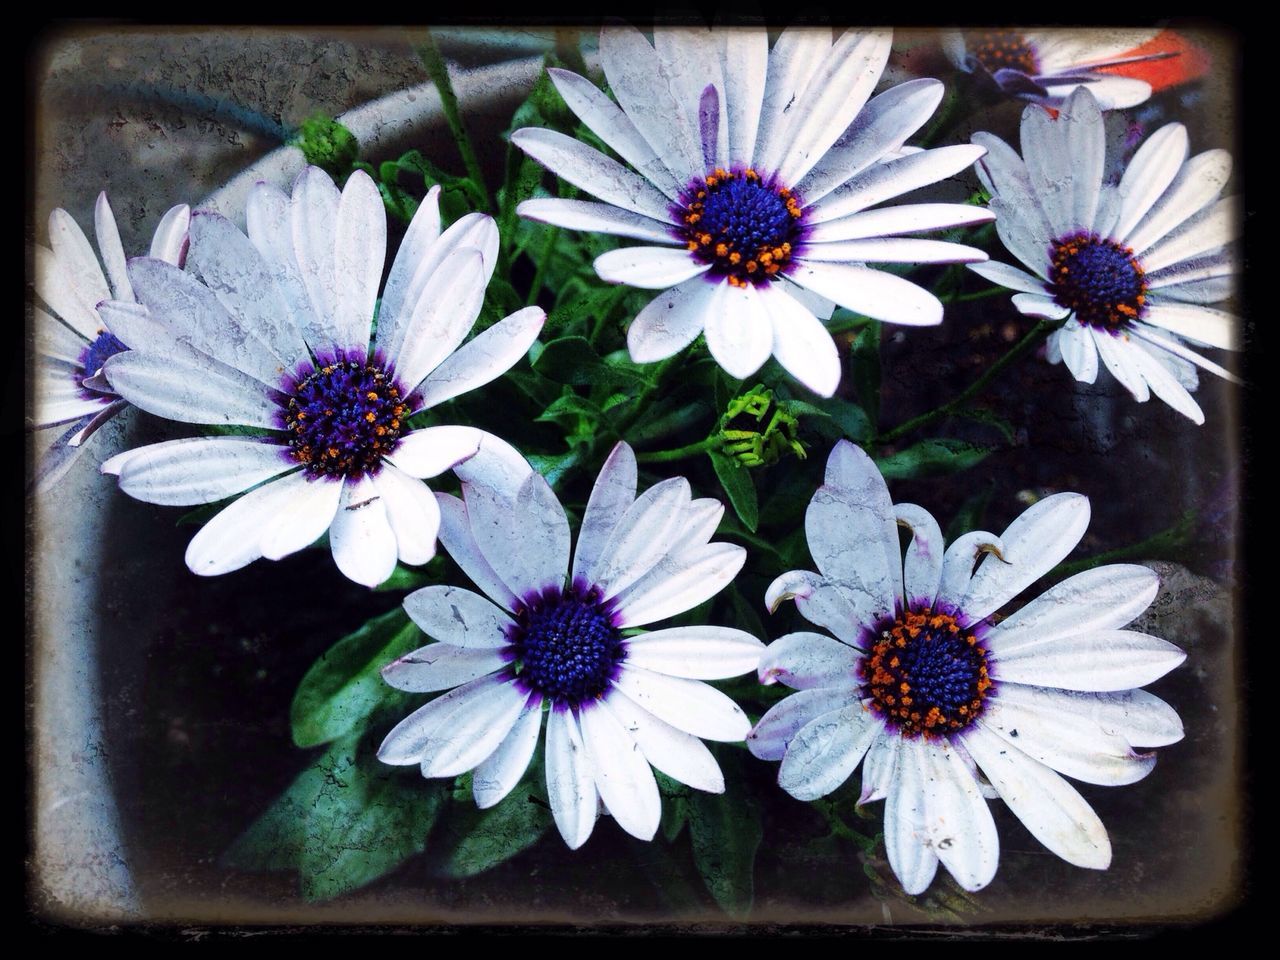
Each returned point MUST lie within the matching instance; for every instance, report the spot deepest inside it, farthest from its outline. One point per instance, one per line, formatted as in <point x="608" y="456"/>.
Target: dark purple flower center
<point x="745" y="228"/>
<point x="1098" y="279"/>
<point x="1002" y="50"/>
<point x="104" y="347"/>
<point x="568" y="645"/>
<point x="343" y="417"/>
<point x="925" y="674"/>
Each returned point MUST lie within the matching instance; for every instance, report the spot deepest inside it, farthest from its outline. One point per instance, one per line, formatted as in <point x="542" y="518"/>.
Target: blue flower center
<point x="567" y="644"/>
<point x="745" y="228"/>
<point x="343" y="417"/>
<point x="1098" y="279"/>
<point x="103" y="348"/>
<point x="1000" y="50"/>
<point x="925" y="675"/>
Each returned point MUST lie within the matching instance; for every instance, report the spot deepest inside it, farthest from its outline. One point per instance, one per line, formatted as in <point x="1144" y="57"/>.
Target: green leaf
<point x="328" y="145"/>
<point x="553" y="467"/>
<point x="747" y="615"/>
<point x="848" y="419"/>
<point x="675" y="805"/>
<point x="574" y="361"/>
<point x="470" y="841"/>
<point x="865" y="366"/>
<point x="738" y="485"/>
<point x="569" y="409"/>
<point x="983" y="415"/>
<point x="404" y="578"/>
<point x="726" y="832"/>
<point x="932" y="458"/>
<point x="344" y="686"/>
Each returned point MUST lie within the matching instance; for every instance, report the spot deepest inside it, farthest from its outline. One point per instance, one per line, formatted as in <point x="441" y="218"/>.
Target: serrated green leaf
<point x="865" y="367"/>
<point x="930" y="458"/>
<point x="344" y="686"/>
<point x="470" y="841"/>
<point x="738" y="486"/>
<point x="726" y="832"/>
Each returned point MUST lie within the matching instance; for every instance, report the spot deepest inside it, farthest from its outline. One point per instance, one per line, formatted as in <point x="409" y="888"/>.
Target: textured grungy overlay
<point x="162" y="117"/>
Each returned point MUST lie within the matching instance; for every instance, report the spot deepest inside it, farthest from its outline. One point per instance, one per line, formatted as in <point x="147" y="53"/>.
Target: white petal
<point x="905" y="836"/>
<point x="441" y="666"/>
<point x="886" y="180"/>
<point x="360" y="251"/>
<point x="739" y="331"/>
<point x="826" y="750"/>
<point x="1102" y="660"/>
<point x="671" y="321"/>
<point x="1142" y="719"/>
<point x="78" y="263"/>
<point x="459" y="617"/>
<point x="796" y="55"/>
<point x="607" y="121"/>
<point x="1198" y="183"/>
<point x="958" y="563"/>
<point x="169" y="243"/>
<point x="679" y="583"/>
<point x="1085" y="141"/>
<point x="614" y="491"/>
<point x="424" y="230"/>
<point x="592" y="171"/>
<point x="445" y="311"/>
<point x="455" y="534"/>
<point x="1204" y="235"/>
<point x="768" y="739"/>
<point x="878" y="768"/>
<point x="404" y="744"/>
<point x="642" y="536"/>
<point x="472" y="731"/>
<point x="1021" y="221"/>
<point x="874" y="293"/>
<point x="679" y="755"/>
<point x="622" y="774"/>
<point x="1038" y="305"/>
<point x="819" y="601"/>
<point x="1046" y="804"/>
<point x="200" y="469"/>
<point x="958" y="823"/>
<point x="313" y="219"/>
<point x="746" y="66"/>
<point x="488" y="356"/>
<point x="688" y="705"/>
<point x="1163" y="383"/>
<point x="906" y="218"/>
<point x="1165" y="342"/>
<point x="55" y="289"/>
<point x="801" y="342"/>
<point x="1050" y="166"/>
<point x="650" y="268"/>
<point x="922" y="570"/>
<point x="598" y="218"/>
<point x="700" y="653"/>
<point x="1037" y="540"/>
<point x="180" y="387"/>
<point x="570" y="780"/>
<point x="497" y="466"/>
<point x="689" y="63"/>
<point x="104" y="225"/>
<point x="301" y="520"/>
<point x="1152" y="169"/>
<point x="1104" y="598"/>
<point x="892" y="250"/>
<point x="1216" y="328"/>
<point x="269" y="223"/>
<point x="501" y="771"/>
<point x="433" y="450"/>
<point x="54" y="340"/>
<point x="1079" y="352"/>
<point x="534" y="520"/>
<point x="807" y="660"/>
<point x="361" y="538"/>
<point x="412" y="512"/>
<point x="1115" y="351"/>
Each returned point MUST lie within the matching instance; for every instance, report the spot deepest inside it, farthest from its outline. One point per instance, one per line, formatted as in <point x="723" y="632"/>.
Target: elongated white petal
<point x="878" y="767"/>
<point x="892" y="250"/>
<point x="169" y="242"/>
<point x="1085" y="141"/>
<point x="200" y="469"/>
<point x="1079" y="352"/>
<point x="1141" y="718"/>
<point x="801" y="342"/>
<point x="1204" y="235"/>
<point x="847" y="536"/>
<point x="404" y="744"/>
<point x="570" y="780"/>
<point x="1163" y="383"/>
<point x="497" y="466"/>
<point x="700" y="653"/>
<point x="445" y="311"/>
<point x="768" y="739"/>
<point x="688" y="705"/>
<point x="598" y="218"/>
<point x="433" y="450"/>
<point x="474" y="730"/>
<point x="1037" y="540"/>
<point x="746" y="65"/>
<point x="689" y="60"/>
<point x="298" y="522"/>
<point x="679" y="755"/>
<point x="1038" y="305"/>
<point x="886" y="180"/>
<point x="1046" y="804"/>
<point x="650" y="268"/>
<point x="807" y="660"/>
<point x="739" y="330"/>
<point x="905" y="218"/>
<point x="671" y="321"/>
<point x="313" y="214"/>
<point x="535" y="520"/>
<point x="501" y="770"/>
<point x="55" y="289"/>
<point x="1021" y="221"/>
<point x="679" y="583"/>
<point x="826" y="750"/>
<point x="1104" y="598"/>
<point x="641" y="536"/>
<point x="958" y="822"/>
<point x="1197" y="184"/>
<point x="459" y="617"/>
<point x="412" y="512"/>
<point x="905" y="833"/>
<point x="796" y="55"/>
<point x="922" y="570"/>
<point x="491" y="354"/>
<point x="361" y="538"/>
<point x="179" y="387"/>
<point x="78" y="265"/>
<point x="424" y="229"/>
<point x="360" y="251"/>
<point x="1102" y="660"/>
<point x="269" y="222"/>
<point x="621" y="773"/>
<point x="1152" y="169"/>
<point x="442" y="666"/>
<point x="52" y="339"/>
<point x="1116" y="353"/>
<point x="1217" y="328"/>
<point x="104" y="225"/>
<point x="820" y="602"/>
<point x="614" y="491"/>
<point x="958" y="565"/>
<point x="455" y="534"/>
<point x="874" y="293"/>
<point x="1170" y="344"/>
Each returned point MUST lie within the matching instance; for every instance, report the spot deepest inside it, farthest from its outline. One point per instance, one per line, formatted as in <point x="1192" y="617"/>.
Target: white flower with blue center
<point x="757" y="183"/>
<point x="272" y="331"/>
<point x="943" y="702"/>
<point x="1131" y="266"/>
<point x="557" y="640"/>
<point x="72" y="342"/>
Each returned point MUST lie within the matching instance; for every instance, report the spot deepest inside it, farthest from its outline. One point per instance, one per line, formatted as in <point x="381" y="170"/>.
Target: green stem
<point x="429" y="53"/>
<point x="842" y="829"/>
<point x="536" y="287"/>
<point x="977" y="295"/>
<point x="1161" y="544"/>
<point x="1033" y="337"/>
<point x="679" y="453"/>
<point x="605" y="313"/>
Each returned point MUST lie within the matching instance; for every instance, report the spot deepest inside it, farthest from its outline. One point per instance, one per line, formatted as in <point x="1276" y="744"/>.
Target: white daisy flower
<point x="272" y="330"/>
<point x="1047" y="65"/>
<point x="756" y="171"/>
<point x="615" y="703"/>
<point x="72" y="342"/>
<point x="1131" y="266"/>
<point x="941" y="700"/>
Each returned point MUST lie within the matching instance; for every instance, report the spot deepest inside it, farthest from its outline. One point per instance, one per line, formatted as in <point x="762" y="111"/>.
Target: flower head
<point x="755" y="174"/>
<point x="941" y="700"/>
<point x="553" y="637"/>
<point x="1131" y="266"/>
<point x="70" y="390"/>
<point x="272" y="331"/>
<point x="1047" y="65"/>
